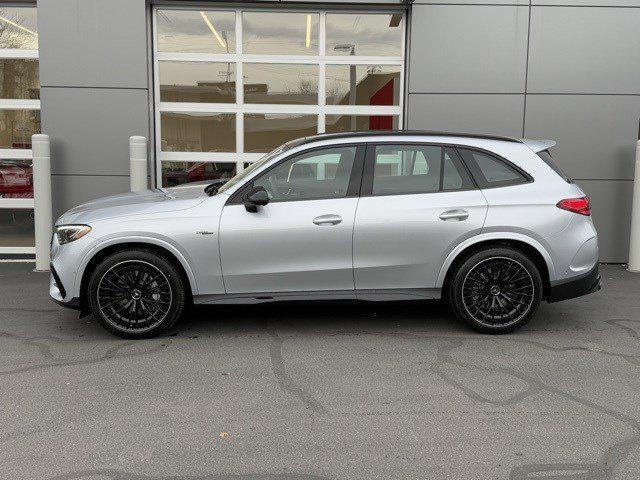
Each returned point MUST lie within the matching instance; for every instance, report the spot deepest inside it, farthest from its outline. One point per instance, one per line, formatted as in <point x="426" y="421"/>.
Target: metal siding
<point x="589" y="3"/>
<point x="473" y="2"/>
<point x="90" y="128"/>
<point x="95" y="93"/>
<point x="93" y="43"/>
<point x="468" y="49"/>
<point x="71" y="190"/>
<point x="490" y="114"/>
<point x="584" y="50"/>
<point x="595" y="133"/>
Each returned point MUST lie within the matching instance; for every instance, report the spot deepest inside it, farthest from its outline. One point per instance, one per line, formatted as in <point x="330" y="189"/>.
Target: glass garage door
<point x="231" y="85"/>
<point x="19" y="119"/>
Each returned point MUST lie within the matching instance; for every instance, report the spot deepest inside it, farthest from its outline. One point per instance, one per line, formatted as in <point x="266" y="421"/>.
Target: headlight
<point x="69" y="233"/>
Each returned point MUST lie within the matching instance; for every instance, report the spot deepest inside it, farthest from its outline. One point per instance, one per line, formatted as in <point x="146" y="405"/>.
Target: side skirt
<point x="378" y="295"/>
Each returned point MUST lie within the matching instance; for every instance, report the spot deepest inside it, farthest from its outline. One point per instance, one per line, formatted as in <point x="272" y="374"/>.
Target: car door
<point x="418" y="202"/>
<point x="301" y="241"/>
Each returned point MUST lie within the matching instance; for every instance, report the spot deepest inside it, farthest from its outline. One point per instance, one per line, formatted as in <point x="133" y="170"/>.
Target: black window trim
<point x="353" y="188"/>
<point x="468" y="182"/>
<point x="478" y="177"/>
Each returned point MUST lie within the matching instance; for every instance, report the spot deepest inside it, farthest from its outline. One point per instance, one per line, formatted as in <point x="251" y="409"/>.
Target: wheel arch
<point x="103" y="250"/>
<point x="526" y="245"/>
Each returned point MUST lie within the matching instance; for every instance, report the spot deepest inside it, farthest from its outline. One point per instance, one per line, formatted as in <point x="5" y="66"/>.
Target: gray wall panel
<point x="611" y="210"/>
<point x="584" y="50"/>
<point x="595" y="133"/>
<point x="473" y="2"/>
<point x="93" y="43"/>
<point x="589" y="3"/>
<point x="468" y="49"/>
<point x="90" y="128"/>
<point x="71" y="190"/>
<point x="494" y="114"/>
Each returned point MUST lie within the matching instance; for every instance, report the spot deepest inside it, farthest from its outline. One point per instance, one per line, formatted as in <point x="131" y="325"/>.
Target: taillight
<point x="576" y="205"/>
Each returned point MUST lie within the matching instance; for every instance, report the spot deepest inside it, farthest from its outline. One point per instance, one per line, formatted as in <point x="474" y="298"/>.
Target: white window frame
<point x="17" y="153"/>
<point x="239" y="108"/>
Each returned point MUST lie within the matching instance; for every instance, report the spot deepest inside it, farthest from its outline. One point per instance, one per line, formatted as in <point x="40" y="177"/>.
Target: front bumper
<point x="576" y="287"/>
<point x="58" y="292"/>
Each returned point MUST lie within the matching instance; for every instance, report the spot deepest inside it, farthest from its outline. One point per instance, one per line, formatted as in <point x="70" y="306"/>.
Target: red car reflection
<point x="16" y="179"/>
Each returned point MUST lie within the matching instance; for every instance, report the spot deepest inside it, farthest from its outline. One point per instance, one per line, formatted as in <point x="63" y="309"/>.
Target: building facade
<point x="214" y="85"/>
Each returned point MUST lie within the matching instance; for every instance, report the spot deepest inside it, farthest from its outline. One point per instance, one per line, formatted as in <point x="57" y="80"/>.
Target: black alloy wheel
<point x="136" y="293"/>
<point x="496" y="290"/>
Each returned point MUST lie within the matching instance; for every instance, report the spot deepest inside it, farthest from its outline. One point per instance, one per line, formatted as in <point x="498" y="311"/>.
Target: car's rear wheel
<point x="496" y="290"/>
<point x="136" y="293"/>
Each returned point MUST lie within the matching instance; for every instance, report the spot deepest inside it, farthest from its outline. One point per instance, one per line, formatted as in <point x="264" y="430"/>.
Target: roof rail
<point x="400" y="133"/>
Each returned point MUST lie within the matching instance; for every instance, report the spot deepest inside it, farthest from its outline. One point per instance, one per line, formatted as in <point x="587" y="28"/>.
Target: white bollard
<point x="42" y="209"/>
<point x="138" y="163"/>
<point x="634" y="245"/>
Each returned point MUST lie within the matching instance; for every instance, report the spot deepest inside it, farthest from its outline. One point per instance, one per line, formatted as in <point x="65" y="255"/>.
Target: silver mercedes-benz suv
<point x="488" y="223"/>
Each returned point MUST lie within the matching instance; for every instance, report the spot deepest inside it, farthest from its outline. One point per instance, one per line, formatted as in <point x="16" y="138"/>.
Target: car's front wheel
<point x="136" y="293"/>
<point x="496" y="290"/>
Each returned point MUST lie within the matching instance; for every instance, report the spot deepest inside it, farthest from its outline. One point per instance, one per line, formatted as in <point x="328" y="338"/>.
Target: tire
<point x="136" y="293"/>
<point x="496" y="290"/>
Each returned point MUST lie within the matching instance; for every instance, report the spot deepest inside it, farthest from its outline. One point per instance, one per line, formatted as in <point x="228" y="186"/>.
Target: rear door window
<point x="410" y="169"/>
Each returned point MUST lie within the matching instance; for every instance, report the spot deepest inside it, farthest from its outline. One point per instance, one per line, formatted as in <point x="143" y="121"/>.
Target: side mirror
<point x="256" y="197"/>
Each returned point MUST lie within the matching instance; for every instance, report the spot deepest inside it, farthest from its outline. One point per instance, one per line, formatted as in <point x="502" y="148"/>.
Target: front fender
<point x="151" y="239"/>
<point x="483" y="237"/>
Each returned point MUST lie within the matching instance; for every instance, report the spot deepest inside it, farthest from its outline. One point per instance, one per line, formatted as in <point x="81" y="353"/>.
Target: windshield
<point x="255" y="165"/>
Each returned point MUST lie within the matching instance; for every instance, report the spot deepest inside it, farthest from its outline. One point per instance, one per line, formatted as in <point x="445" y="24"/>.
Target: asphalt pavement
<point x="304" y="391"/>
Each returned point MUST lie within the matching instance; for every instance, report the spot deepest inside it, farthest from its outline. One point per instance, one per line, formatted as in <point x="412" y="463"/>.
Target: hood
<point x="137" y="203"/>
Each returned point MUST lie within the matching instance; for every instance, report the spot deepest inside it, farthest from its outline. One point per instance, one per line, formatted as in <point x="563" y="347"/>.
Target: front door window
<point x="313" y="175"/>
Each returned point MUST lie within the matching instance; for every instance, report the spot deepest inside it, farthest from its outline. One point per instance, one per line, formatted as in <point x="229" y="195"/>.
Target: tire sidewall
<point x="455" y="292"/>
<point x="174" y="279"/>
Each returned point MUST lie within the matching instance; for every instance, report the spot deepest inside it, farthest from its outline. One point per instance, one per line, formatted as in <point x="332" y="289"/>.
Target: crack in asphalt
<point x="602" y="469"/>
<point x="285" y="381"/>
<point x="123" y="475"/>
<point x="45" y="350"/>
<point x="632" y="359"/>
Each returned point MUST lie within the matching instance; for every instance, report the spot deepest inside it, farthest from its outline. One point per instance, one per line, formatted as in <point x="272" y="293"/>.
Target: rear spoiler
<point x="539" y="145"/>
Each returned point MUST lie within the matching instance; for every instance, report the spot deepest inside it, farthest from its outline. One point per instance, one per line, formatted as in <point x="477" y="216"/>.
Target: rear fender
<point x="495" y="236"/>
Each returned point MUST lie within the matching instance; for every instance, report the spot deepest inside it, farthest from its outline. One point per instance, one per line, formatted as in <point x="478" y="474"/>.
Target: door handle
<point x="327" y="220"/>
<point x="454" y="215"/>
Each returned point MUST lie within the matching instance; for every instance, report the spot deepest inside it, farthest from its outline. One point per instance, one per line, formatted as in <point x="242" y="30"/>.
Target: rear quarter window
<point x="489" y="171"/>
<point x="546" y="157"/>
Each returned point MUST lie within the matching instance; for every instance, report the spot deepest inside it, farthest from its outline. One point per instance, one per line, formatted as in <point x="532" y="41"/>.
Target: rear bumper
<point x="582" y="285"/>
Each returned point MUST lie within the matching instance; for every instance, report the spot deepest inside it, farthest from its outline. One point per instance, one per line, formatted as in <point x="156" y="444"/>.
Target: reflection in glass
<point x="264" y="132"/>
<point x="178" y="173"/>
<point x="17" y="126"/>
<point x="360" y="123"/>
<point x="19" y="28"/>
<point x="19" y="78"/>
<point x="16" y="178"/>
<point x="198" y="132"/>
<point x="16" y="227"/>
<point x="280" y="83"/>
<point x="364" y="34"/>
<point x="197" y="82"/>
<point x="363" y="84"/>
<point x="279" y="33"/>
<point x="196" y="31"/>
